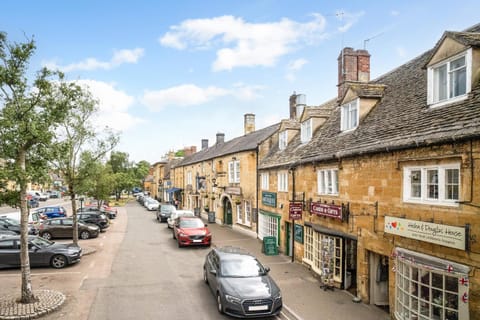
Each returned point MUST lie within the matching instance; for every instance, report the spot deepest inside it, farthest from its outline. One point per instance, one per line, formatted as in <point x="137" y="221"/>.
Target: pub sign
<point x="326" y="210"/>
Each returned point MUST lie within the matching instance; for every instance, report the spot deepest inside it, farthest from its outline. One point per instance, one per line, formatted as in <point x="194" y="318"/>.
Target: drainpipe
<point x="257" y="190"/>
<point x="293" y="220"/>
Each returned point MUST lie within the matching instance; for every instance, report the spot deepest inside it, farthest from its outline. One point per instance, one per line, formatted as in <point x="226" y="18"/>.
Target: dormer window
<point x="349" y="115"/>
<point x="306" y="130"/>
<point x="449" y="80"/>
<point x="282" y="140"/>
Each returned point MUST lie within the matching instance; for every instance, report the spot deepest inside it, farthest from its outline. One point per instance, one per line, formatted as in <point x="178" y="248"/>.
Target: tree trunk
<point x="27" y="292"/>
<point x="74" y="213"/>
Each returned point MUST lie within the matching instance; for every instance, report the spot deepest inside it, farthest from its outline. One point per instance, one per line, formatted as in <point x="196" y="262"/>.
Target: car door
<point x="37" y="255"/>
<point x="9" y="252"/>
<point x="67" y="228"/>
<point x="213" y="265"/>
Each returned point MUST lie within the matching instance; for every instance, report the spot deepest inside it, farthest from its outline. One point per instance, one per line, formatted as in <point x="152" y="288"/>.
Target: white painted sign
<point x="441" y="234"/>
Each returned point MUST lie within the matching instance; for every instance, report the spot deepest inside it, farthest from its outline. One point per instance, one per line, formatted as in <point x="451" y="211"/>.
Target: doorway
<point x="288" y="239"/>
<point x="227" y="211"/>
<point x="379" y="274"/>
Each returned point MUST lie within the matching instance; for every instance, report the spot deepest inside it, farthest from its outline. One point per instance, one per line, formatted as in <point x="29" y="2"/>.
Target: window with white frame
<point x="349" y="115"/>
<point x="234" y="171"/>
<point x="248" y="213"/>
<point x="306" y="130"/>
<point x="265" y="181"/>
<point x="439" y="184"/>
<point x="239" y="213"/>
<point x="327" y="181"/>
<point x="268" y="226"/>
<point x="189" y="178"/>
<point x="283" y="181"/>
<point x="449" y="80"/>
<point x="424" y="291"/>
<point x="282" y="139"/>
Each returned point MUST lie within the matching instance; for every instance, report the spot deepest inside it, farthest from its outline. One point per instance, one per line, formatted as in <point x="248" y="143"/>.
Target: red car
<point x="191" y="231"/>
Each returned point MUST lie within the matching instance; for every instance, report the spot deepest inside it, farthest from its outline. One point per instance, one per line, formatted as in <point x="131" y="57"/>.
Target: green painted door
<point x="287" y="238"/>
<point x="228" y="212"/>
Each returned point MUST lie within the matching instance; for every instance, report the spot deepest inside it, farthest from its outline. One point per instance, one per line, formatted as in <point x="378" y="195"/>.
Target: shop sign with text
<point x="295" y="210"/>
<point x="269" y="199"/>
<point x="326" y="210"/>
<point x="441" y="234"/>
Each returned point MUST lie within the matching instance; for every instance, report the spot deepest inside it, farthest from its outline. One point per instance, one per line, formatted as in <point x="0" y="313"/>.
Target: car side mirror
<point x="267" y="269"/>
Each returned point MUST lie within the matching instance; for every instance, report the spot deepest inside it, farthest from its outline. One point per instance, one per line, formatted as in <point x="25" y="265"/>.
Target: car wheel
<point x="205" y="278"/>
<point x="84" y="235"/>
<point x="58" y="261"/>
<point x="47" y="235"/>
<point x="219" y="303"/>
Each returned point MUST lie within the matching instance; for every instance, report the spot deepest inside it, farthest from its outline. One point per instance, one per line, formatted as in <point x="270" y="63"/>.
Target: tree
<point x="99" y="178"/>
<point x="141" y="170"/>
<point x="29" y="115"/>
<point x="75" y="136"/>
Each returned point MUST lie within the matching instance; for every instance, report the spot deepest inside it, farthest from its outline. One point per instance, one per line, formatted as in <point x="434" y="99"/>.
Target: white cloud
<point x="244" y="44"/>
<point x="348" y="19"/>
<point x="113" y="105"/>
<point x="119" y="57"/>
<point x="293" y="67"/>
<point x="191" y="95"/>
<point x="183" y="95"/>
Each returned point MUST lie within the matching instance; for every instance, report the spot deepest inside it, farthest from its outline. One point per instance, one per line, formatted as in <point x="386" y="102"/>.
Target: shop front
<point x="332" y="255"/>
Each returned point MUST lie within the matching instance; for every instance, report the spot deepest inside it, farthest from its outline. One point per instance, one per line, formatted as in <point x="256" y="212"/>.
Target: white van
<point x="178" y="213"/>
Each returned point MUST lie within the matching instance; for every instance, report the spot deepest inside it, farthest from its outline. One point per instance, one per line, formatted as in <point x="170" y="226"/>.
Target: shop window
<point x="268" y="226"/>
<point x="308" y="245"/>
<point x="430" y="291"/>
<point x="248" y="213"/>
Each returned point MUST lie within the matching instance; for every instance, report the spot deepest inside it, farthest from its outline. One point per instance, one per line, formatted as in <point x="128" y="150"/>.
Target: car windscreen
<point x="244" y="267"/>
<point x="191" y="223"/>
<point x="167" y="209"/>
<point x="41" y="242"/>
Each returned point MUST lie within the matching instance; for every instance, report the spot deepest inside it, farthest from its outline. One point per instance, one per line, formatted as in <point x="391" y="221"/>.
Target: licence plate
<point x="257" y="308"/>
<point x="196" y="240"/>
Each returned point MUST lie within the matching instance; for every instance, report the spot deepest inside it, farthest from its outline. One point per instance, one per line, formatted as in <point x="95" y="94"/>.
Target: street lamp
<point x="214" y="181"/>
<point x="81" y="203"/>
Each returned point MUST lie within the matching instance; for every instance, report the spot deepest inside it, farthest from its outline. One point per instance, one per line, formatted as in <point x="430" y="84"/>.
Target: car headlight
<point x="232" y="299"/>
<point x="278" y="296"/>
<point x="181" y="234"/>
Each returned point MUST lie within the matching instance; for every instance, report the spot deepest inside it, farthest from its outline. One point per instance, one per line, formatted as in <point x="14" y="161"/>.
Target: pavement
<point x="46" y="301"/>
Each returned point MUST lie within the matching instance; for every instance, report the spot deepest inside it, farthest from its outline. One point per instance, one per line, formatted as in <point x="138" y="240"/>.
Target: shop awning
<point x="172" y="190"/>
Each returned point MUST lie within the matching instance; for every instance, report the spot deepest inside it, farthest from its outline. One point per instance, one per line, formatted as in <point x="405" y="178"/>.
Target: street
<point x="138" y="271"/>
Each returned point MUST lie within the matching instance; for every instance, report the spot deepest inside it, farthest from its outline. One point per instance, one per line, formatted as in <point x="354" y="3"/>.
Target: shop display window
<point x="423" y="292"/>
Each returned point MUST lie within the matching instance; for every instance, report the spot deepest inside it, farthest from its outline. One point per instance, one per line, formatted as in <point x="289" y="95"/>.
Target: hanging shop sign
<point x="269" y="199"/>
<point x="295" y="210"/>
<point x="326" y="210"/>
<point x="445" y="235"/>
<point x="233" y="190"/>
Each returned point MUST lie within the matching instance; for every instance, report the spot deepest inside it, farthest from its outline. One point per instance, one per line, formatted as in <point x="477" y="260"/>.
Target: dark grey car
<point x="41" y="252"/>
<point x="164" y="211"/>
<point x="241" y="284"/>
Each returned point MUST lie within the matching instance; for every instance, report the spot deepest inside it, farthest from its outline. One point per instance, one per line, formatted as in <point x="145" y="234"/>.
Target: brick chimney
<point x="353" y="66"/>
<point x="220" y="138"/>
<point x="204" y="144"/>
<point x="249" y="123"/>
<point x="188" y="151"/>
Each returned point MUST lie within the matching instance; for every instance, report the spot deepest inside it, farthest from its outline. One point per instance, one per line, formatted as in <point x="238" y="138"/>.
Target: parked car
<point x="109" y="211"/>
<point x="63" y="228"/>
<point x="6" y="233"/>
<point x="33" y="217"/>
<point x="178" y="213"/>
<point x="94" y="217"/>
<point x="43" y="196"/>
<point x="55" y="194"/>
<point x="191" y="231"/>
<point x="241" y="284"/>
<point x="13" y="225"/>
<point x="41" y="252"/>
<point x="164" y="211"/>
<point x="33" y="203"/>
<point x="52" y="212"/>
<point x="151" y="204"/>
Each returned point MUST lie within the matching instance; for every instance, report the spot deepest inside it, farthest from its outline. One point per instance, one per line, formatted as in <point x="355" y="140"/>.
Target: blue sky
<point x="171" y="73"/>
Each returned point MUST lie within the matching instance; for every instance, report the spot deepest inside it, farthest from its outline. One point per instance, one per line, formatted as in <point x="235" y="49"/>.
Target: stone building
<point x="221" y="180"/>
<point x="378" y="190"/>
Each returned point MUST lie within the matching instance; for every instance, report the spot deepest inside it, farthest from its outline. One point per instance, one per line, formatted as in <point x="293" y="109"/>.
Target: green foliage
<point x="180" y="153"/>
